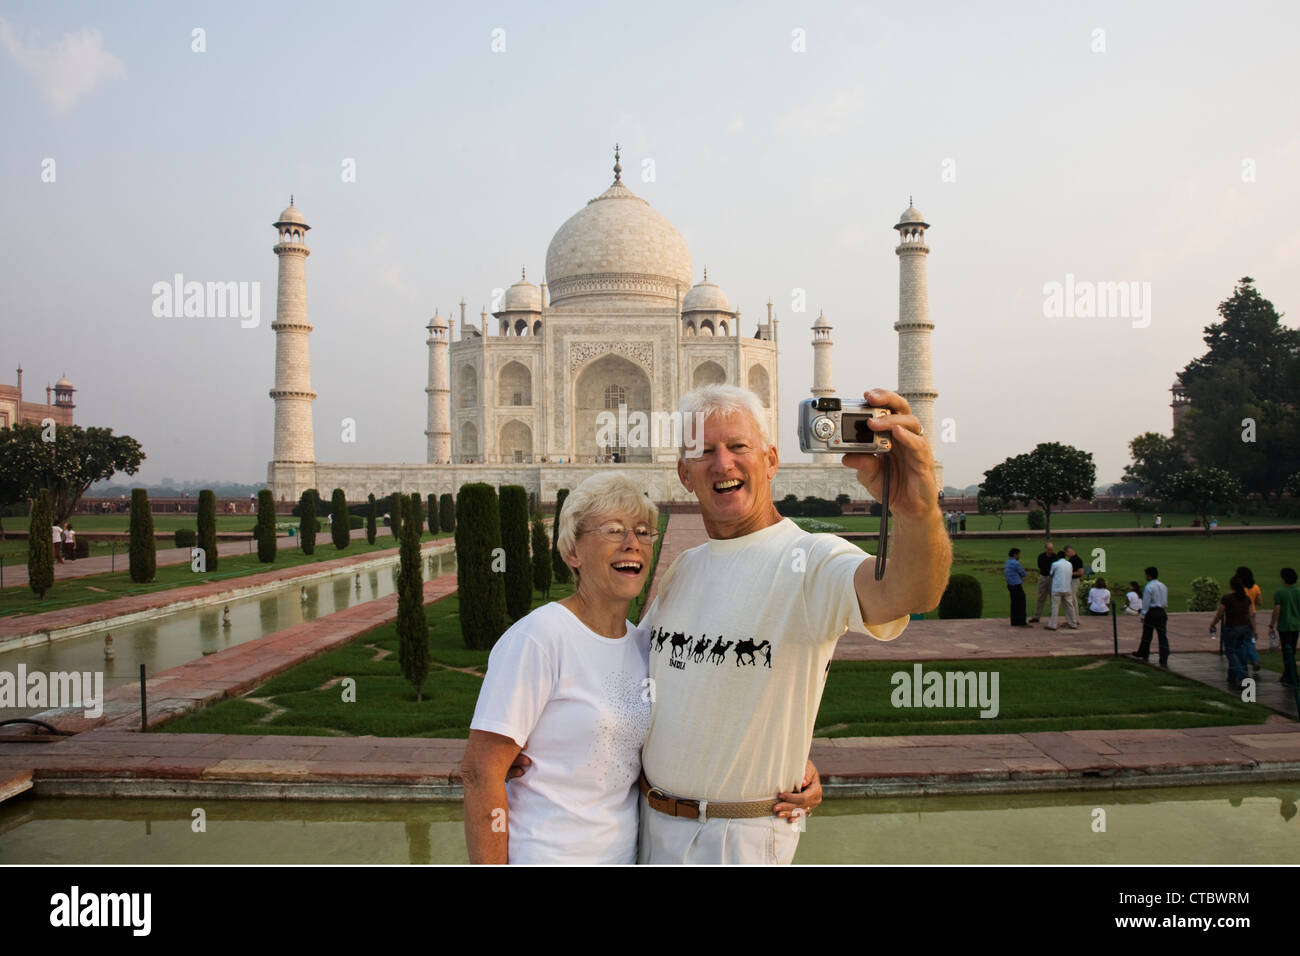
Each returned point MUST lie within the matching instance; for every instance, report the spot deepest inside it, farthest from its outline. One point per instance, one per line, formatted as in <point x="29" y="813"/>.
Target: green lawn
<point x="1034" y="694"/>
<point x="1080" y="519"/>
<point x="94" y="588"/>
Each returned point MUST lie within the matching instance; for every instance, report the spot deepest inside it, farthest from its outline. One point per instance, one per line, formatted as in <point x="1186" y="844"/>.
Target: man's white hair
<point x="723" y="400"/>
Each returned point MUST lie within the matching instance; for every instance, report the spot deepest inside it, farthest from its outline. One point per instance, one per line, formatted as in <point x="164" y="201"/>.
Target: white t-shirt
<point x="1099" y="600"/>
<point x="58" y="535"/>
<point x="1134" y="603"/>
<point x="1062" y="571"/>
<point x="743" y="630"/>
<point x="578" y="704"/>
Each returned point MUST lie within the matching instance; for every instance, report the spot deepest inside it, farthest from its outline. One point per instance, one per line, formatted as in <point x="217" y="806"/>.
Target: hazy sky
<point x="1148" y="143"/>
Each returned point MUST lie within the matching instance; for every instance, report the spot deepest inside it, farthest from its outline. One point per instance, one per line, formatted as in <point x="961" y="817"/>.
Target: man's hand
<point x="519" y="767"/>
<point x="912" y="489"/>
<point x="808" y="797"/>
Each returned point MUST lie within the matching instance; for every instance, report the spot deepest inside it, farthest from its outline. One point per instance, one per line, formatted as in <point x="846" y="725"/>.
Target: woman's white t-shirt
<point x="579" y="706"/>
<point x="1134" y="603"/>
<point x="1099" y="600"/>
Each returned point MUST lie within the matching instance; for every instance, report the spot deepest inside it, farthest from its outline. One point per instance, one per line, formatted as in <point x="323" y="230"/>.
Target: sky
<point x="1150" y="144"/>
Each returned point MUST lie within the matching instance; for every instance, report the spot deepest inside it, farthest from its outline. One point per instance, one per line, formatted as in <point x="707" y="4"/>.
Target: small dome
<point x="437" y="322"/>
<point x="912" y="214"/>
<point x="291" y="214"/>
<point x="63" y="383"/>
<point x="523" y="296"/>
<point x="822" y="322"/>
<point x="704" y="296"/>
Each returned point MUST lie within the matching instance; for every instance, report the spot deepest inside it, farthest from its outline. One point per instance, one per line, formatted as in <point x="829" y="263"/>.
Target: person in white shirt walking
<point x="1155" y="618"/>
<point x="58" y="544"/>
<point x="1063" y="591"/>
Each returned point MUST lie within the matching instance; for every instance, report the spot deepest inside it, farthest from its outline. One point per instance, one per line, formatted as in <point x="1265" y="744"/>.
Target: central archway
<point x="597" y="393"/>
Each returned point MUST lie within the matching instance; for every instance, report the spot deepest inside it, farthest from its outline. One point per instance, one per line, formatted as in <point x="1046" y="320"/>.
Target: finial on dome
<point x="618" y="170"/>
<point x="706" y="273"/>
<point x="909" y="201"/>
<point x="523" y="272"/>
<point x="290" y="199"/>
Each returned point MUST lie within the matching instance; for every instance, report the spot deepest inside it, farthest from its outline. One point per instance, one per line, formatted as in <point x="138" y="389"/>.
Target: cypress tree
<point x="562" y="572"/>
<point x="208" y="528"/>
<point x="433" y="514"/>
<point x="266" y="543"/>
<point x="481" y="588"/>
<point x="371" y="517"/>
<point x="308" y="525"/>
<point x="40" y="546"/>
<point x="143" y="559"/>
<point x="340" y="530"/>
<point x="412" y="627"/>
<point x="415" y="512"/>
<point x="447" y="513"/>
<point x="395" y="516"/>
<point x="514" y="539"/>
<point x="541" y="558"/>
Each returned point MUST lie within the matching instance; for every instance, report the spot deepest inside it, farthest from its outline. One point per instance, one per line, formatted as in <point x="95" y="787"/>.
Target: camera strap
<point x="882" y="547"/>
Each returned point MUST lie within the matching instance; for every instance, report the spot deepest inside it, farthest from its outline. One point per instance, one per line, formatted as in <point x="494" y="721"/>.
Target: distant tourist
<point x="1285" y="622"/>
<point x="1045" y="560"/>
<point x="1099" y="598"/>
<point x="58" y="544"/>
<point x="1063" y="591"/>
<point x="1155" y="617"/>
<point x="1133" y="599"/>
<point x="1157" y="521"/>
<point x="1238" y="629"/>
<point x="1015" y="574"/>
<point x="1255" y="595"/>
<point x="69" y="541"/>
<point x="961" y="520"/>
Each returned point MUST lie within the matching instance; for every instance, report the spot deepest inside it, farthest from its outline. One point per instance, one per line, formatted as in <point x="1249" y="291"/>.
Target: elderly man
<point x="731" y="727"/>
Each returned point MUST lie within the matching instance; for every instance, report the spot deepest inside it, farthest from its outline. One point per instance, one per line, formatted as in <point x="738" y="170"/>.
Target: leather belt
<point x="703" y="809"/>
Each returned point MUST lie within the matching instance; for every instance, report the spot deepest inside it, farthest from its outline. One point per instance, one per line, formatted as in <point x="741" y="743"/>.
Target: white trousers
<point x="665" y="839"/>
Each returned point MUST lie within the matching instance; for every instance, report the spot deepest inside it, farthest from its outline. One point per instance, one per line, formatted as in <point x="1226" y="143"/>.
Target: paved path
<point x="16" y="573"/>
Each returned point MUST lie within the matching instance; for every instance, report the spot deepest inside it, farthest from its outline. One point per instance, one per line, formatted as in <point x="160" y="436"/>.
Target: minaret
<point x="821" y="343"/>
<point x="915" y="382"/>
<point x="293" y="395"/>
<point x="439" y="392"/>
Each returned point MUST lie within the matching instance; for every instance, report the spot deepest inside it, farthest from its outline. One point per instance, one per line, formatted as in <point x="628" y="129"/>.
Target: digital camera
<point x="840" y="425"/>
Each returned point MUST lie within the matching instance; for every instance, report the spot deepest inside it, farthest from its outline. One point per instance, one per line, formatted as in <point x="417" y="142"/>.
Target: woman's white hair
<point x="723" y="400"/>
<point x="607" y="493"/>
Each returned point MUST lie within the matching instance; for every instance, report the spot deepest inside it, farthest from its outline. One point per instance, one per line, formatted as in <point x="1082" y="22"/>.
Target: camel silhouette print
<point x="679" y="642"/>
<point x="718" y="653"/>
<point x="767" y="656"/>
<point x="746" y="648"/>
<point x="657" y="638"/>
<point x="697" y="652"/>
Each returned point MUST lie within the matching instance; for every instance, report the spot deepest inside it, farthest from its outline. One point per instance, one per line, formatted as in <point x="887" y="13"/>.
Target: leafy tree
<point x="481" y="587"/>
<point x="142" y="557"/>
<point x="563" y="574"/>
<point x="40" y="546"/>
<point x="208" y="528"/>
<point x="991" y="505"/>
<point x="514" y="539"/>
<point x="308" y="523"/>
<point x="371" y="517"/>
<point x="1139" y="506"/>
<point x="1051" y="474"/>
<point x="67" y="466"/>
<point x="340" y="526"/>
<point x="1250" y="372"/>
<point x="447" y="513"/>
<point x="541" y="558"/>
<point x="1206" y="490"/>
<point x="412" y="626"/>
<point x="1155" y="459"/>
<point x="266" y="543"/>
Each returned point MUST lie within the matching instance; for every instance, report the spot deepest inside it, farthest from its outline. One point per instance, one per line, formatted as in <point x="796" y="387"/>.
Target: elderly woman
<point x="569" y="682"/>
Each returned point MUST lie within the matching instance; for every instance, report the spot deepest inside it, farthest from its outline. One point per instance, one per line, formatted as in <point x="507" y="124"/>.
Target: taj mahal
<point x="618" y="329"/>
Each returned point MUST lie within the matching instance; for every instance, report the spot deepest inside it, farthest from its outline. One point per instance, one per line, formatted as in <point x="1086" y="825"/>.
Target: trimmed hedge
<point x="265" y="530"/>
<point x="339" y="523"/>
<point x="207" y="533"/>
<point x="372" y="517"/>
<point x="40" y="545"/>
<point x="541" y="558"/>
<point x="308" y="522"/>
<point x="514" y="539"/>
<point x="412" y="626"/>
<point x="1206" y="592"/>
<point x="962" y="598"/>
<point x="1037" y="519"/>
<point x="562" y="573"/>
<point x="186" y="538"/>
<point x="482" y="591"/>
<point x="143" y="557"/>
<point x="447" y="513"/>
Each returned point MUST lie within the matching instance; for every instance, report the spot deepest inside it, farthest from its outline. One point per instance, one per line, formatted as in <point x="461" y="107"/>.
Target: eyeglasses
<point x="614" y="531"/>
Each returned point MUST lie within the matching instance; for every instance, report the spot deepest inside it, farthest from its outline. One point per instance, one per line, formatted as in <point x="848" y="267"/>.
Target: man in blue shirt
<point x="1015" y="574"/>
<point x="1155" y="599"/>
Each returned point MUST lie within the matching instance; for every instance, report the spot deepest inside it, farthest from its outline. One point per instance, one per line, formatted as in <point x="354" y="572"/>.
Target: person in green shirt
<point x="1286" y="622"/>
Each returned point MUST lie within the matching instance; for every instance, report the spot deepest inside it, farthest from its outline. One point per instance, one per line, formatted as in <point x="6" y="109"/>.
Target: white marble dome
<point x="705" y="296"/>
<point x="617" y="247"/>
<point x="523" y="296"/>
<point x="291" y="214"/>
<point x="912" y="214"/>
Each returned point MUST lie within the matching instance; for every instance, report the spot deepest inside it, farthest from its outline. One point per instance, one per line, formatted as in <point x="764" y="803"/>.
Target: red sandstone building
<point x="13" y="409"/>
